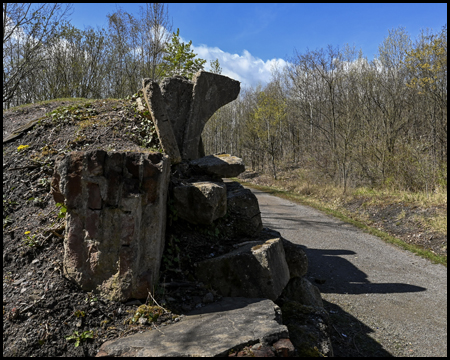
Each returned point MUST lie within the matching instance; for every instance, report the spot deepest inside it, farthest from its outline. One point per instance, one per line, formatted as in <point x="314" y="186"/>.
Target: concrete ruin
<point x="188" y="107"/>
<point x="116" y="221"/>
<point x="116" y="207"/>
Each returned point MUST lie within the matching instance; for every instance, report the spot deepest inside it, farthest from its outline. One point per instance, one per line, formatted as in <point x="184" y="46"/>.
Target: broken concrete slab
<point x="295" y="255"/>
<point x="243" y="209"/>
<point x="157" y="108"/>
<point x="200" y="202"/>
<point x="210" y="92"/>
<point x="256" y="269"/>
<point x="177" y="94"/>
<point x="231" y="323"/>
<point x="301" y="290"/>
<point x="222" y="166"/>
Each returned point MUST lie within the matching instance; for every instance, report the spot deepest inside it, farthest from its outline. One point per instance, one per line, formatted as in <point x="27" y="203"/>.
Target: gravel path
<point x="398" y="299"/>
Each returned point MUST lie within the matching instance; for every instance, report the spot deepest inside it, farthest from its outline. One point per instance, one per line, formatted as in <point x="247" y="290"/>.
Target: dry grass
<point x="302" y="182"/>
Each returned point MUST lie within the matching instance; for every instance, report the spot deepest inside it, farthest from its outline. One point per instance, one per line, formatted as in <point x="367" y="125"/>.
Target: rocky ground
<point x="405" y="221"/>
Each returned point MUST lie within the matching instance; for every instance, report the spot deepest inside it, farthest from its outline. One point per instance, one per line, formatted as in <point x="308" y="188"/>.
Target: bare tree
<point x="27" y="29"/>
<point x="156" y="33"/>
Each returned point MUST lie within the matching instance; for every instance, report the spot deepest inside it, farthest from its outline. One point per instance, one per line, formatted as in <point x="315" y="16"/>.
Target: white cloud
<point x="246" y="68"/>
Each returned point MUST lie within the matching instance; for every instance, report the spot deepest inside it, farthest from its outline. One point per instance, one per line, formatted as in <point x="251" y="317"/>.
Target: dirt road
<point x="386" y="296"/>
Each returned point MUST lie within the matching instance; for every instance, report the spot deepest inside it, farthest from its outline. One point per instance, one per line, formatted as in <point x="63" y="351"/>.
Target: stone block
<point x="243" y="209"/>
<point x="223" y="166"/>
<point x="257" y="269"/>
<point x="296" y="259"/>
<point x="116" y="221"/>
<point x="295" y="255"/>
<point x="157" y="107"/>
<point x="213" y="330"/>
<point x="302" y="291"/>
<point x="177" y="95"/>
<point x="200" y="202"/>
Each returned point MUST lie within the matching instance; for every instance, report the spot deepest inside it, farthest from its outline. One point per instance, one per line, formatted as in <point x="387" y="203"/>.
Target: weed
<point x="62" y="210"/>
<point x="401" y="215"/>
<point x="79" y="313"/>
<point x="151" y="313"/>
<point x="88" y="334"/>
<point x="7" y="221"/>
<point x="90" y="298"/>
<point x="30" y="240"/>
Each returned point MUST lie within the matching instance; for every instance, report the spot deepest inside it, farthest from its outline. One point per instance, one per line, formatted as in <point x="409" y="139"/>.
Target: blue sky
<point x="249" y="38"/>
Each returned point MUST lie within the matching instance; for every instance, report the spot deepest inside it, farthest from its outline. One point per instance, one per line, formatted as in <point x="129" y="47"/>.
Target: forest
<point x="332" y="113"/>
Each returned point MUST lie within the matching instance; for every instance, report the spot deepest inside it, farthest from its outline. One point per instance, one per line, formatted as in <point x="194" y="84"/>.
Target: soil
<point x="406" y="222"/>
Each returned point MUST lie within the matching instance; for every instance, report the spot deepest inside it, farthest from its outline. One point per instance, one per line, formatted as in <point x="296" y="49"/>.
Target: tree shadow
<point x="334" y="274"/>
<point x="350" y="337"/>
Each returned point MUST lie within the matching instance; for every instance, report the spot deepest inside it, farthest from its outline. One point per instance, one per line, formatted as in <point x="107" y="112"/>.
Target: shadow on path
<point x="334" y="274"/>
<point x="350" y="337"/>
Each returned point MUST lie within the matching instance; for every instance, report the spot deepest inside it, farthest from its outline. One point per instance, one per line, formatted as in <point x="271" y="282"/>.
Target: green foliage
<point x="268" y="120"/>
<point x="215" y="67"/>
<point x="79" y="313"/>
<point x="62" y="210"/>
<point x="428" y="63"/>
<point x="85" y="335"/>
<point x="30" y="240"/>
<point x="179" y="59"/>
<point x="151" y="313"/>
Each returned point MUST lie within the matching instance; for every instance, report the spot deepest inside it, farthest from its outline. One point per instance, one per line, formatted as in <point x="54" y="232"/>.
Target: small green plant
<point x="151" y="313"/>
<point x="30" y="240"/>
<point x="44" y="182"/>
<point x="7" y="221"/>
<point x="88" y="334"/>
<point x="90" y="298"/>
<point x="79" y="313"/>
<point x="62" y="210"/>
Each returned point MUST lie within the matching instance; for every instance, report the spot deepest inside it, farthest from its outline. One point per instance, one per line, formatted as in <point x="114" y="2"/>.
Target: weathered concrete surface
<point x="214" y="330"/>
<point x="257" y="269"/>
<point x="177" y="94"/>
<point x="243" y="209"/>
<point x="301" y="290"/>
<point x="200" y="202"/>
<point x="210" y="92"/>
<point x="116" y="216"/>
<point x="295" y="256"/>
<point x="157" y="108"/>
<point x="223" y="166"/>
